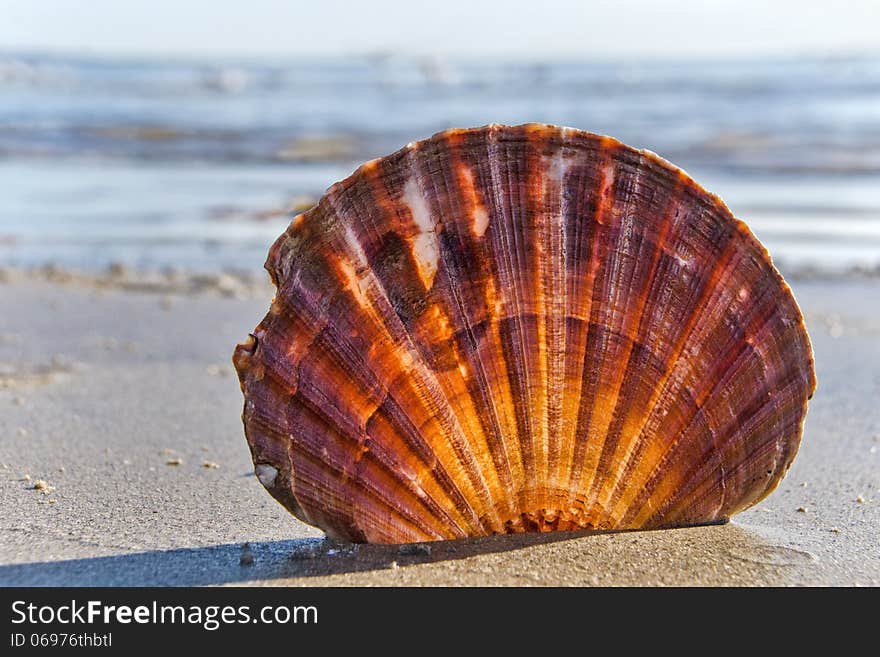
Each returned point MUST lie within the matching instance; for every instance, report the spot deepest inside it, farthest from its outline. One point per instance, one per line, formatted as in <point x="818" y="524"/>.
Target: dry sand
<point x="124" y="404"/>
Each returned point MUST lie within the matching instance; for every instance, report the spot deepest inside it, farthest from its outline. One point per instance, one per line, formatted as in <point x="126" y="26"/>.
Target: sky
<point x="529" y="28"/>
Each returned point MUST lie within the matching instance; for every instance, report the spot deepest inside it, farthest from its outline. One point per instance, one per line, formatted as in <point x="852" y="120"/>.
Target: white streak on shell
<point x="479" y="216"/>
<point x="424" y="243"/>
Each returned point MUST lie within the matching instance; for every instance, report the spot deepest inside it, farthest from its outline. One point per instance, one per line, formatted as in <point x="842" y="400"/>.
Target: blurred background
<point x="184" y="135"/>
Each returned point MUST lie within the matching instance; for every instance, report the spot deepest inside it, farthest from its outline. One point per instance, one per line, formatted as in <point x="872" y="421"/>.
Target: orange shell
<point x="529" y="328"/>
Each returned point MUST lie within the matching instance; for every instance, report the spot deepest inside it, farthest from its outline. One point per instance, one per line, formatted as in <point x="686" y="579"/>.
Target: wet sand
<point x="123" y="401"/>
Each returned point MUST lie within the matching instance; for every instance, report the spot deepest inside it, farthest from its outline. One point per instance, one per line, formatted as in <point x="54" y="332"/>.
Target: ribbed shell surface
<point x="528" y="328"/>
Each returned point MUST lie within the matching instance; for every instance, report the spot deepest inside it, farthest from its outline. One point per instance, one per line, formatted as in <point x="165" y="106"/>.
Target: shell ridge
<point x="617" y="369"/>
<point x="495" y="389"/>
<point x="619" y="413"/>
<point x="727" y="373"/>
<point x="389" y="464"/>
<point x="371" y="512"/>
<point x="494" y="231"/>
<point x="502" y="236"/>
<point x="533" y="217"/>
<point x="777" y="430"/>
<point x="347" y="244"/>
<point x="584" y="438"/>
<point x="456" y="437"/>
<point x="701" y="476"/>
<point x="492" y="504"/>
<point x="538" y="252"/>
<point x="554" y="309"/>
<point x="251" y="377"/>
<point x="722" y="475"/>
<point x="574" y="222"/>
<point x="563" y="302"/>
<point x="348" y="462"/>
<point x="356" y="259"/>
<point x="518" y="373"/>
<point x="661" y="386"/>
<point x="773" y="481"/>
<point x="773" y="431"/>
<point x="546" y="182"/>
<point x="401" y="337"/>
<point x="501" y="457"/>
<point x="292" y="472"/>
<point x="398" y="507"/>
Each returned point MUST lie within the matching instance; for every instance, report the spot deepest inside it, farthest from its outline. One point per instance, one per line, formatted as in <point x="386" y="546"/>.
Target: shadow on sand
<point x="230" y="563"/>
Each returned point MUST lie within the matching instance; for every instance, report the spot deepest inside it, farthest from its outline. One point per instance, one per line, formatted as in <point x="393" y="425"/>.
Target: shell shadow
<point x="269" y="560"/>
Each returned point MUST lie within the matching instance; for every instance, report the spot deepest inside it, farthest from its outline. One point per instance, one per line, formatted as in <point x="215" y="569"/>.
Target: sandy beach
<point x="123" y="462"/>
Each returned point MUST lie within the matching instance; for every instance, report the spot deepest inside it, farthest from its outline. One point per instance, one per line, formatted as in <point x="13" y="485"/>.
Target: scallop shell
<point x="529" y="328"/>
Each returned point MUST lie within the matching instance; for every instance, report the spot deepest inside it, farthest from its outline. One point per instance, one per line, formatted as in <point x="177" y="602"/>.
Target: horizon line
<point x="389" y="53"/>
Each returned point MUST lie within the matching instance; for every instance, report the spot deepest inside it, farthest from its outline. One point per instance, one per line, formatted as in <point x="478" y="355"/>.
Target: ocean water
<point x="200" y="164"/>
